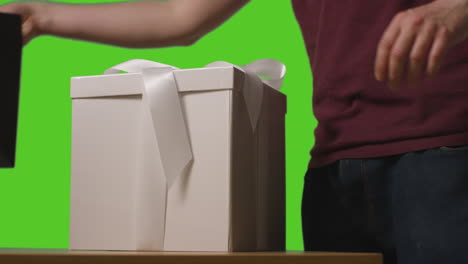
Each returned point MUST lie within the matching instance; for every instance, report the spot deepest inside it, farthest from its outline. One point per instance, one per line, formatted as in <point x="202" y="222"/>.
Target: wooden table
<point x="55" y="256"/>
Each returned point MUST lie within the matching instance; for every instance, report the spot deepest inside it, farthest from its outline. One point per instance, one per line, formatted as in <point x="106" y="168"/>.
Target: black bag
<point x="10" y="68"/>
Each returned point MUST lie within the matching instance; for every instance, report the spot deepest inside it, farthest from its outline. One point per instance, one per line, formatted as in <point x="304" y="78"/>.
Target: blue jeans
<point x="412" y="207"/>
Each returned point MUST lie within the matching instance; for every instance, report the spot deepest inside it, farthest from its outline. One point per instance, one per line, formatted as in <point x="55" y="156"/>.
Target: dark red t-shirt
<point x="359" y="117"/>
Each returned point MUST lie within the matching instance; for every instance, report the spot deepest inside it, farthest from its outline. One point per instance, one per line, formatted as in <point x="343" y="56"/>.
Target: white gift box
<point x="179" y="160"/>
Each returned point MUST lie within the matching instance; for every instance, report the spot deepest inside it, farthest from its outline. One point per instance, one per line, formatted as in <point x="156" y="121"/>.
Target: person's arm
<point x="140" y="24"/>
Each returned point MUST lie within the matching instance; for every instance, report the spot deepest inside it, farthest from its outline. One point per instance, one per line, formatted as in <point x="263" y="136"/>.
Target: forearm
<point x="129" y="24"/>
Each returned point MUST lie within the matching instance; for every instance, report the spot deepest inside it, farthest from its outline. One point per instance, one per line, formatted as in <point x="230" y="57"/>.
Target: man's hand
<point x="29" y="14"/>
<point x="416" y="40"/>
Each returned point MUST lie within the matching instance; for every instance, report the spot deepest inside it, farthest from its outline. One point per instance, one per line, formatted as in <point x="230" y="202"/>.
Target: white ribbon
<point x="253" y="82"/>
<point x="161" y="96"/>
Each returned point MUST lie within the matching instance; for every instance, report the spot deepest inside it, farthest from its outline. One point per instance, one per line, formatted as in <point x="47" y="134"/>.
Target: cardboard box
<point x="230" y="197"/>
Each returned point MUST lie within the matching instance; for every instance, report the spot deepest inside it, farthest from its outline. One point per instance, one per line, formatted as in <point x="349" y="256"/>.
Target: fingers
<point x="399" y="54"/>
<point x="27" y="31"/>
<point x="438" y="49"/>
<point x="420" y="53"/>
<point x="13" y="8"/>
<point x="8" y="8"/>
<point x="412" y="47"/>
<point x="384" y="48"/>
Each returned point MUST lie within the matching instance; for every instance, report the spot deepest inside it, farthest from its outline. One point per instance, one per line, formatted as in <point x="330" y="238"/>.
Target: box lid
<point x="188" y="80"/>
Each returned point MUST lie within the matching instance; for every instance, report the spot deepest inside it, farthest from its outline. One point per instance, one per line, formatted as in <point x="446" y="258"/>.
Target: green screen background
<point x="34" y="196"/>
